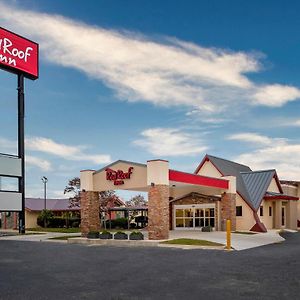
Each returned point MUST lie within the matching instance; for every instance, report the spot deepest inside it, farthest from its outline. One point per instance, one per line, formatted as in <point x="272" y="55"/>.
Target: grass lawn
<point x="191" y="242"/>
<point x="64" y="238"/>
<point x="62" y="230"/>
<point x="244" y="232"/>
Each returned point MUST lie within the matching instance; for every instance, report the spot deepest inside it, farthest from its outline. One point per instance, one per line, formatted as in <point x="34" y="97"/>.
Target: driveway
<point x="30" y="270"/>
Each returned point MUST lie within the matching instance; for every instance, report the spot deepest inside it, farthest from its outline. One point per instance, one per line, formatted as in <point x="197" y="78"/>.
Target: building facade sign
<point x="118" y="176"/>
<point x="18" y="54"/>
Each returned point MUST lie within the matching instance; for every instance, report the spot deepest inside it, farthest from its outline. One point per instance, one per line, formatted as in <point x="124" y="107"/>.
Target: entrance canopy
<point x="126" y="175"/>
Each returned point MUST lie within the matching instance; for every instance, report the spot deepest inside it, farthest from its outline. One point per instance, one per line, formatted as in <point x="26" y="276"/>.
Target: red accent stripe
<point x="281" y="197"/>
<point x="198" y="179"/>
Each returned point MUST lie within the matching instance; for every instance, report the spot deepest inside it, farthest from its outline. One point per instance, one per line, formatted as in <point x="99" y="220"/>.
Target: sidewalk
<point x="239" y="241"/>
<point x="35" y="237"/>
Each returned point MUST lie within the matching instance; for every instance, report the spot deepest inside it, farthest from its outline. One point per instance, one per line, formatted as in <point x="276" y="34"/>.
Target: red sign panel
<point x="18" y="54"/>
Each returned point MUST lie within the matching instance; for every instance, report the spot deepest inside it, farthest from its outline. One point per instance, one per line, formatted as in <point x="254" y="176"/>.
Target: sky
<point x="139" y="80"/>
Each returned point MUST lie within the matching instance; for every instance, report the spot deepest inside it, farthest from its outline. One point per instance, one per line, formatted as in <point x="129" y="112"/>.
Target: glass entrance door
<point x="194" y="216"/>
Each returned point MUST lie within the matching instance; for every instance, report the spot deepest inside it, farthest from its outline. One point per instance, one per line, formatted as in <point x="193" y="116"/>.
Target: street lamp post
<point x="45" y="180"/>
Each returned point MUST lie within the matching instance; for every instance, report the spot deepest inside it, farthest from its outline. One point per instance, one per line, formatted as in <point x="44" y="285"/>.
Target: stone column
<point x="158" y="199"/>
<point x="228" y="208"/>
<point x="158" y="212"/>
<point x="89" y="206"/>
<point x="291" y="215"/>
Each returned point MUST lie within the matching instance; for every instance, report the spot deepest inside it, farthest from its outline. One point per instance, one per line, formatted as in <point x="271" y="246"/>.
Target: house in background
<point x="33" y="207"/>
<point x="261" y="203"/>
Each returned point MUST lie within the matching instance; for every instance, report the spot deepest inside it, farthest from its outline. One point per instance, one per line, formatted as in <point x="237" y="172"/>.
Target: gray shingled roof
<point x="251" y="185"/>
<point x="230" y="168"/>
<point x="257" y="183"/>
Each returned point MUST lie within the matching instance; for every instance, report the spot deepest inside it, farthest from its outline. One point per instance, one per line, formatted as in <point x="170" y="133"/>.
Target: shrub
<point x="136" y="235"/>
<point x="120" y="236"/>
<point x="132" y="226"/>
<point x="121" y="223"/>
<point x="93" y="235"/>
<point x="105" y="235"/>
<point x="44" y="217"/>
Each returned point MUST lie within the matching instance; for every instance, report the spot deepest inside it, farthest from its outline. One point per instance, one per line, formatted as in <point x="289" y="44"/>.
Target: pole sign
<point x="18" y="54"/>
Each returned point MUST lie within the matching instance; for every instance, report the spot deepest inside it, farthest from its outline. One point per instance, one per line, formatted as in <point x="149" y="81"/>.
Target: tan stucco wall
<point x="30" y="219"/>
<point x="293" y="191"/>
<point x="246" y="221"/>
<point x="273" y="187"/>
<point x="266" y="219"/>
<point x="137" y="179"/>
<point x="208" y="169"/>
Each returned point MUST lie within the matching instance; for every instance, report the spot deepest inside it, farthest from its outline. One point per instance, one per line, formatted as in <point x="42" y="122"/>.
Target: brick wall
<point x="89" y="204"/>
<point x="158" y="212"/>
<point x="228" y="210"/>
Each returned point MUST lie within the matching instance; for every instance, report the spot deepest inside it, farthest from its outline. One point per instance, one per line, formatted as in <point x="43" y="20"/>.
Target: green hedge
<point x="59" y="222"/>
<point x="121" y="223"/>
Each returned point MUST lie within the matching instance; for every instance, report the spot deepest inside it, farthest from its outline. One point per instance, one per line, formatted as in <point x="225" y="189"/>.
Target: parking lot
<point x="44" y="270"/>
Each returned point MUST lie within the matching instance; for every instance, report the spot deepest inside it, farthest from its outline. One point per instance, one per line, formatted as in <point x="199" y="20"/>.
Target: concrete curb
<point x="131" y="243"/>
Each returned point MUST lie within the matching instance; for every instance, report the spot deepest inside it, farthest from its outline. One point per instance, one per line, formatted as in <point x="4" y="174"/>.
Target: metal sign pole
<point x="21" y="149"/>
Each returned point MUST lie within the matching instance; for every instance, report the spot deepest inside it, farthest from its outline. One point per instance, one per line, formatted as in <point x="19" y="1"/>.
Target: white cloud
<point x="167" y="72"/>
<point x="251" y="138"/>
<point x="67" y="152"/>
<point x="276" y="94"/>
<point x="38" y="162"/>
<point x="46" y="145"/>
<point x="169" y="142"/>
<point x="273" y="153"/>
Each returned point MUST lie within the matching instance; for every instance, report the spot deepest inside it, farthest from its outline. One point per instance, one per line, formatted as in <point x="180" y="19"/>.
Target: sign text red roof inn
<point x="18" y="54"/>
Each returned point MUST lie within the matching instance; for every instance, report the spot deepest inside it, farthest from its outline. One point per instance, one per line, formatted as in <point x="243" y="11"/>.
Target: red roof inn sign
<point x="118" y="176"/>
<point x="18" y="54"/>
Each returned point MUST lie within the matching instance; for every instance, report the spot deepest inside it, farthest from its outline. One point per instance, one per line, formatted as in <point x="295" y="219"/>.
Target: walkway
<point x="239" y="241"/>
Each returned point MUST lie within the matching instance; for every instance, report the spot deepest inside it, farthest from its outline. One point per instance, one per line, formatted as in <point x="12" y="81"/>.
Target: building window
<point x="270" y="211"/>
<point x="239" y="211"/>
<point x="261" y="211"/>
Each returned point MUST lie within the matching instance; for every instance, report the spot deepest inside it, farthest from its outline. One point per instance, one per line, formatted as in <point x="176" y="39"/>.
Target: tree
<point x="73" y="188"/>
<point x="137" y="201"/>
<point x="107" y="199"/>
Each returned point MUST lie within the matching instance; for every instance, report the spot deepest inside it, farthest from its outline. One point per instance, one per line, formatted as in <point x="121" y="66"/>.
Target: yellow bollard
<point x="228" y="235"/>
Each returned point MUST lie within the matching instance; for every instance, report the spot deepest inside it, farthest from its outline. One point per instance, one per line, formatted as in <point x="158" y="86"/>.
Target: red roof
<point x="37" y="204"/>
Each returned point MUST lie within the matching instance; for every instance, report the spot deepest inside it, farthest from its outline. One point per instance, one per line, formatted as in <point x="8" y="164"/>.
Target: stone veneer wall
<point x="228" y="210"/>
<point x="158" y="212"/>
<point x="89" y="204"/>
<point x="190" y="200"/>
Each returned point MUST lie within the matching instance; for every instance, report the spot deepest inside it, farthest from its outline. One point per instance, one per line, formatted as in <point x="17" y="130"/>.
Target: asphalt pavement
<point x="37" y="270"/>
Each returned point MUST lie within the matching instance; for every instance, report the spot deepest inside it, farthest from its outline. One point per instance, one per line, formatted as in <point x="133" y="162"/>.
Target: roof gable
<point x="257" y="183"/>
<point x="250" y="185"/>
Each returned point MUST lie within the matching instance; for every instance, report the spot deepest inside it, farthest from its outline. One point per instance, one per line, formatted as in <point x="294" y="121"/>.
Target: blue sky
<point x="138" y="80"/>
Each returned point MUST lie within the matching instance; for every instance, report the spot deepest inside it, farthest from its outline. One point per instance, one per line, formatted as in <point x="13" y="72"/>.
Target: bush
<point x="136" y="235"/>
<point x="93" y="235"/>
<point x="58" y="222"/>
<point x="132" y="225"/>
<point x="44" y="217"/>
<point x="105" y="235"/>
<point x="120" y="236"/>
<point x="121" y="223"/>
